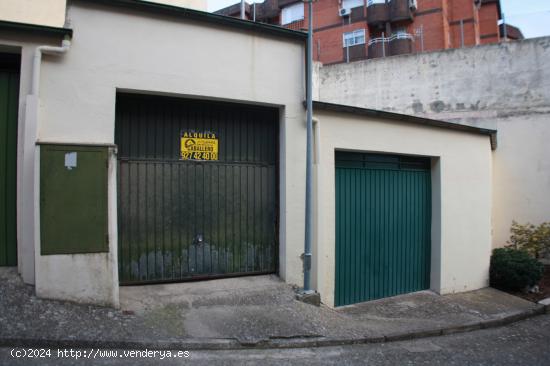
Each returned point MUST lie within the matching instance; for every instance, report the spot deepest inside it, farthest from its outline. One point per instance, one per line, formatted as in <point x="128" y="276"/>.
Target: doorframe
<point x="15" y="66"/>
<point x="279" y="202"/>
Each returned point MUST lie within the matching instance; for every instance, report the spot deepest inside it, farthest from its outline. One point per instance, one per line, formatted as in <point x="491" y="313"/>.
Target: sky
<point x="531" y="16"/>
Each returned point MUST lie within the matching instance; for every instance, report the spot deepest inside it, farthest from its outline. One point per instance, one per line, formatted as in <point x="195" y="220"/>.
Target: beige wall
<point x="192" y="4"/>
<point x="52" y="12"/>
<point x="77" y="105"/>
<point x="41" y="12"/>
<point x="25" y="45"/>
<point x="461" y="195"/>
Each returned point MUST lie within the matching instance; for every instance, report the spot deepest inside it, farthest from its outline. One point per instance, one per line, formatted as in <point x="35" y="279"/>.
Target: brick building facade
<point x="349" y="30"/>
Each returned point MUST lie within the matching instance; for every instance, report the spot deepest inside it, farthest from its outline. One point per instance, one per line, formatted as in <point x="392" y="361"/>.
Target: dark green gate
<point x="383" y="225"/>
<point x="184" y="219"/>
<point x="9" y="101"/>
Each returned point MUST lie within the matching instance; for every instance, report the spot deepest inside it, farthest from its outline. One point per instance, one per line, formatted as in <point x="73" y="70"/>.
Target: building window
<point x="354" y="38"/>
<point x="292" y="13"/>
<point x="350" y="4"/>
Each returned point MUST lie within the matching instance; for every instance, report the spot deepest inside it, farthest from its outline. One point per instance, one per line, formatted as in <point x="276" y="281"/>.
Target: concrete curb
<point x="546" y="304"/>
<point x="272" y="343"/>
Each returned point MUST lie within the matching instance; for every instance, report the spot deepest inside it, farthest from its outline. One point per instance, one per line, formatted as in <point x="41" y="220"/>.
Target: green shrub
<point x="513" y="269"/>
<point x="533" y="239"/>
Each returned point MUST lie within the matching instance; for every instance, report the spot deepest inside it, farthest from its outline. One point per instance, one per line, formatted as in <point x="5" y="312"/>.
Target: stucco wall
<point x="41" y="12"/>
<point x="12" y="42"/>
<point x="461" y="195"/>
<point x="192" y="4"/>
<point x="133" y="51"/>
<point x="504" y="87"/>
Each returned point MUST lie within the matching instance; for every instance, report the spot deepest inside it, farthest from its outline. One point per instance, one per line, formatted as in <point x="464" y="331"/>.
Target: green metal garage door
<point x="197" y="194"/>
<point x="383" y="221"/>
<point x="9" y="100"/>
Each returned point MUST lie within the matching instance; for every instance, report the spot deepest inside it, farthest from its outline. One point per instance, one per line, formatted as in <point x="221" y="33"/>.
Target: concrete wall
<point x="461" y="195"/>
<point x="77" y="105"/>
<point x="192" y="4"/>
<point x="41" y="12"/>
<point x="505" y="87"/>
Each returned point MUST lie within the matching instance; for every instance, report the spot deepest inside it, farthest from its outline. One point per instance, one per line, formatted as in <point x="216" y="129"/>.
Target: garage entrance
<point x="9" y="103"/>
<point x="383" y="226"/>
<point x="197" y="189"/>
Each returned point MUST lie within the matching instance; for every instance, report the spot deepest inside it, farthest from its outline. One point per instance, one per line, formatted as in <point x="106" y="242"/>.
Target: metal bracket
<point x="306" y="258"/>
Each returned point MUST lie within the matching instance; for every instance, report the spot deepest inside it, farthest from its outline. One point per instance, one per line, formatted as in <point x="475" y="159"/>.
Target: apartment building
<point x="349" y="30"/>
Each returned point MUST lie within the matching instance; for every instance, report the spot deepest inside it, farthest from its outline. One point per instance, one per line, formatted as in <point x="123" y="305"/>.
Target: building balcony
<point x="397" y="44"/>
<point x="355" y="52"/>
<point x="401" y="44"/>
<point x="378" y="12"/>
<point x="378" y="47"/>
<point x="400" y="10"/>
<point x="297" y="25"/>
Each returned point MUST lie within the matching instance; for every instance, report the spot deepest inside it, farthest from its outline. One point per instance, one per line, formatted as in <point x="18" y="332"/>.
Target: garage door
<point x="9" y="100"/>
<point x="197" y="189"/>
<point x="383" y="221"/>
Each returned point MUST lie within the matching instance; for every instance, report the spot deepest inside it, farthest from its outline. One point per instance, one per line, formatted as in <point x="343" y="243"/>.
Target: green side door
<point x="9" y="100"/>
<point x="383" y="226"/>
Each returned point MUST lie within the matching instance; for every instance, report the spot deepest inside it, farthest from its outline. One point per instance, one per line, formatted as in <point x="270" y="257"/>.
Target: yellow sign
<point x="199" y="146"/>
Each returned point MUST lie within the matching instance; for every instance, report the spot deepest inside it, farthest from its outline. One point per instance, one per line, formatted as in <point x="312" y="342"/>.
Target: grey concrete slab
<point x="259" y="311"/>
<point x="523" y="343"/>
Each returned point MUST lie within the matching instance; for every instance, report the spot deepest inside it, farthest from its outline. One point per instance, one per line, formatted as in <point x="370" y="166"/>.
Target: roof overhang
<point x="36" y="29"/>
<point x="201" y="16"/>
<point x="492" y="134"/>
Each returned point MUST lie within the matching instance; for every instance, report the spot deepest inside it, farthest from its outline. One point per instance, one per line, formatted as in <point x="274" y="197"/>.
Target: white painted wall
<point x="462" y="188"/>
<point x="502" y="86"/>
<point x="24" y="44"/>
<point x="41" y="12"/>
<point x="153" y="54"/>
<point x="192" y="4"/>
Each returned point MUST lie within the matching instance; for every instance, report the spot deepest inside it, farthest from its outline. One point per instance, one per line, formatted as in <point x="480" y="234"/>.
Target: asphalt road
<point x="523" y="343"/>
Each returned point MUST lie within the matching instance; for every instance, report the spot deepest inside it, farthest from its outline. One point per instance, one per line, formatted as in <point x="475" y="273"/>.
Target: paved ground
<point x="522" y="343"/>
<point x="235" y="313"/>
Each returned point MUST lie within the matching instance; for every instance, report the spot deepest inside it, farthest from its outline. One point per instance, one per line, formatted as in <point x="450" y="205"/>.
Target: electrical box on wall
<point x="73" y="199"/>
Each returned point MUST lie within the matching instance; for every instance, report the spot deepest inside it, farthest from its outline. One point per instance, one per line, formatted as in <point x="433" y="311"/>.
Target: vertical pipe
<point x="254" y="12"/>
<point x="462" y="33"/>
<point x="309" y="154"/>
<point x="383" y="44"/>
<point x="422" y="36"/>
<point x="504" y="28"/>
<point x="242" y="9"/>
<point x="318" y="50"/>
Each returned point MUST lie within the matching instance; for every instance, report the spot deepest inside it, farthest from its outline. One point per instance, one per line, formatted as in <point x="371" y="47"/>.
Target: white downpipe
<point x="65" y="45"/>
<point x="29" y="227"/>
<point x="317" y="212"/>
<point x="317" y="128"/>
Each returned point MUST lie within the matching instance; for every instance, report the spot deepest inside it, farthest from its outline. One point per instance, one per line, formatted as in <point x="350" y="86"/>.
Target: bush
<point x="513" y="269"/>
<point x="533" y="239"/>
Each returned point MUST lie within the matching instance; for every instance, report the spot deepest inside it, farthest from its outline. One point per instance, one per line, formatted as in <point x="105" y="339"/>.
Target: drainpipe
<point x="29" y="174"/>
<point x="242" y="9"/>
<point x="309" y="155"/>
<point x="49" y="50"/>
<point x="317" y="128"/>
